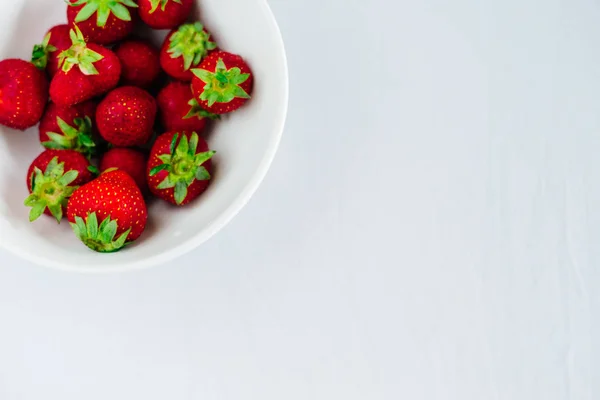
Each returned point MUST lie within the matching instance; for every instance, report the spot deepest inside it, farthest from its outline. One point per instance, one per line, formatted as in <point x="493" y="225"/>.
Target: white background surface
<point x="429" y="230"/>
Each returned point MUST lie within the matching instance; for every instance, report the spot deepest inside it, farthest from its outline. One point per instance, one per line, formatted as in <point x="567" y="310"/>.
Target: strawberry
<point x="140" y="63"/>
<point x="52" y="178"/>
<point x="97" y="71"/>
<point x="23" y="94"/>
<point x="222" y="83"/>
<point x="102" y="21"/>
<point x="69" y="128"/>
<point x="165" y="14"/>
<point x="126" y="116"/>
<point x="108" y="212"/>
<point x="127" y="160"/>
<point x="45" y="55"/>
<point x="184" y="48"/>
<point x="179" y="167"/>
<point x="179" y="110"/>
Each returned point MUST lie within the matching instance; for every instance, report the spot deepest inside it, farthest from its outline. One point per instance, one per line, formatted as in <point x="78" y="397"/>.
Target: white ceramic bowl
<point x="245" y="142"/>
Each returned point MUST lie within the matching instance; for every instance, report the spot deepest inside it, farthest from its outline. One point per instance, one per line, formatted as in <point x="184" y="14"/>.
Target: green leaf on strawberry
<point x="101" y="237"/>
<point x="50" y="189"/>
<point x="94" y="170"/>
<point x="223" y="85"/>
<point x="103" y="9"/>
<point x="183" y="165"/>
<point x="162" y="4"/>
<point x="79" y="54"/>
<point x="192" y="43"/>
<point x="39" y="56"/>
<point x="78" y="138"/>
<point x="197" y="111"/>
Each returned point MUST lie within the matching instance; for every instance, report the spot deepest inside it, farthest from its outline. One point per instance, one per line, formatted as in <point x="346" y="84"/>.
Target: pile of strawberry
<point x="90" y="87"/>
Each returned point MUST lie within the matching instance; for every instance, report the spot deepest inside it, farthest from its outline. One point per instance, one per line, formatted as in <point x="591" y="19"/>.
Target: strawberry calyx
<point x="40" y="53"/>
<point x="192" y="43"/>
<point x="183" y="165"/>
<point x="94" y="170"/>
<point x="50" y="189"/>
<point x="79" y="54"/>
<point x="100" y="238"/>
<point x="222" y="85"/>
<point x="162" y="4"/>
<point x="197" y="111"/>
<point x="103" y="9"/>
<point x="78" y="138"/>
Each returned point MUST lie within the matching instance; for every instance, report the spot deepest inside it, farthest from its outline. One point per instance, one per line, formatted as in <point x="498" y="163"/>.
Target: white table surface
<point x="428" y="230"/>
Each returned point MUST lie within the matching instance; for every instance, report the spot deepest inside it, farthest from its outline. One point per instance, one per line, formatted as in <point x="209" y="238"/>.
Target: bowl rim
<point x="218" y="223"/>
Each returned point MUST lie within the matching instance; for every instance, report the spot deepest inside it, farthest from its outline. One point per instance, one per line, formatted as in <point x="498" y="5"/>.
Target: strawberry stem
<point x="223" y="85"/>
<point x="197" y="111"/>
<point x="183" y="165"/>
<point x="162" y="4"/>
<point x="40" y="53"/>
<point x="78" y="139"/>
<point x="100" y="238"/>
<point x="79" y="54"/>
<point x="192" y="43"/>
<point x="103" y="9"/>
<point x="50" y="189"/>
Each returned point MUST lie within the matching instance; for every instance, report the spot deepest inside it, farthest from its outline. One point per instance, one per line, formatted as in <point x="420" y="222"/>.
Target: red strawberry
<point x="185" y="48"/>
<point x="52" y="178"/>
<point x="23" y="94"/>
<point x="179" y="110"/>
<point x="45" y="55"/>
<point x="97" y="70"/>
<point x="102" y="21"/>
<point x="108" y="212"/>
<point x="127" y="160"/>
<point x="140" y="63"/>
<point x="179" y="167"/>
<point x="222" y="83"/>
<point x="69" y="128"/>
<point x="126" y="116"/>
<point x="165" y="14"/>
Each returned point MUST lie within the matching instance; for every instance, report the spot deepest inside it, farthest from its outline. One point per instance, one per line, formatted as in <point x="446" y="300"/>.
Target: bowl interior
<point x="245" y="143"/>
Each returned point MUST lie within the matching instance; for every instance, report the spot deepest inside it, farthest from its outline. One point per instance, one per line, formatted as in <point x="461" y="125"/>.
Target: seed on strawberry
<point x="52" y="178"/>
<point x="222" y="83"/>
<point x="108" y="212"/>
<point x="179" y="110"/>
<point x="179" y="167"/>
<point x="126" y="116"/>
<point x="140" y="63"/>
<point x="128" y="160"/>
<point x="102" y="21"/>
<point x="23" y="94"/>
<point x="45" y="55"/>
<point x="65" y="128"/>
<point x="87" y="70"/>
<point x="184" y="48"/>
<point x="165" y="14"/>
